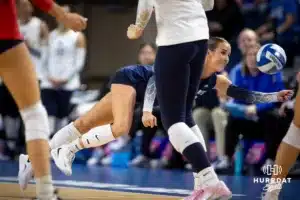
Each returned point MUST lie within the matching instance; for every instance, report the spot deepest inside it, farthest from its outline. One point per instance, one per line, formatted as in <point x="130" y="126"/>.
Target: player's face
<point x="220" y="56"/>
<point x="146" y="55"/>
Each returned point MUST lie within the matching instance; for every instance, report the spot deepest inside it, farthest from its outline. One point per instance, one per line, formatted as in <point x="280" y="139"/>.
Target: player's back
<point x="180" y="21"/>
<point x="8" y="20"/>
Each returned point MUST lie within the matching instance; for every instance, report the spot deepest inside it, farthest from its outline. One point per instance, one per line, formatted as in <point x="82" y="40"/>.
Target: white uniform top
<point x="31" y="33"/>
<point x="62" y="60"/>
<point x="178" y="21"/>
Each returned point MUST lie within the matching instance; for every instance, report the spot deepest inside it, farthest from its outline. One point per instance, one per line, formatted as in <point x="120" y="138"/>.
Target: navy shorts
<point x="139" y="85"/>
<point x="8" y="44"/>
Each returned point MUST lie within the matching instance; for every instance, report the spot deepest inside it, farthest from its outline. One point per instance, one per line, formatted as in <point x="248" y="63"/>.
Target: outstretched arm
<point x="150" y="95"/>
<point x="224" y="86"/>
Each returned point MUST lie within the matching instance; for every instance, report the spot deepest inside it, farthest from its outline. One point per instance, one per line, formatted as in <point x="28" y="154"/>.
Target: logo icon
<point x="269" y="170"/>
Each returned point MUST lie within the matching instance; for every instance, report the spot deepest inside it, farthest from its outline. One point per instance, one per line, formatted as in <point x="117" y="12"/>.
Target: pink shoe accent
<point x="218" y="191"/>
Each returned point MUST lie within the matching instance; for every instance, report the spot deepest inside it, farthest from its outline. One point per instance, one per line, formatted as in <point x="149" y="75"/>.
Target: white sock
<point x="65" y="135"/>
<point x="94" y="138"/>
<point x="198" y="133"/>
<point x="75" y="146"/>
<point x="36" y="122"/>
<point x="206" y="177"/>
<point x="44" y="187"/>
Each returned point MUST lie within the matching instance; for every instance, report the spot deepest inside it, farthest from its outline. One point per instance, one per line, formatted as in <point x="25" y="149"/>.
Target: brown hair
<point x="214" y="42"/>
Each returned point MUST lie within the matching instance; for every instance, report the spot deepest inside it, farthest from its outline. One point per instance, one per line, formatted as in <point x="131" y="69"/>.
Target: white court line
<point x="123" y="187"/>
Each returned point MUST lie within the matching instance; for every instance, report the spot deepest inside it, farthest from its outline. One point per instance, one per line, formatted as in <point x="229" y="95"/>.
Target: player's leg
<point x="290" y="146"/>
<point x="205" y="176"/>
<point x="17" y="71"/>
<point x="99" y="115"/>
<point x="123" y="101"/>
<point x="172" y="82"/>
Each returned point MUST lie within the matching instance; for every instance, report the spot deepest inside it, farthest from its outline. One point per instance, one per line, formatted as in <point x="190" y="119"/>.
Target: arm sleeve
<point x="144" y="12"/>
<point x="150" y="95"/>
<point x="252" y="97"/>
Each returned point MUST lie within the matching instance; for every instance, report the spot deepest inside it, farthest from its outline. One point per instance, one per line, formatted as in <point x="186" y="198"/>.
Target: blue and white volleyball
<point x="271" y="58"/>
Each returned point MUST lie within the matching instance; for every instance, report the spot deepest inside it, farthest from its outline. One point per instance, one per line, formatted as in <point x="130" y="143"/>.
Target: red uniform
<point x="9" y="29"/>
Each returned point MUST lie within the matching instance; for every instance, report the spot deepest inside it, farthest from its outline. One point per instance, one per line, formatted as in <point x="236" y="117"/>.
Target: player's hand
<point x="282" y="109"/>
<point x="73" y="21"/>
<point x="134" y="32"/>
<point x="284" y="95"/>
<point x="149" y="120"/>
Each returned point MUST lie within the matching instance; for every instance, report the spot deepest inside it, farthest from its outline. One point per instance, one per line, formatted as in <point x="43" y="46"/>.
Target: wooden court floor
<point x="11" y="191"/>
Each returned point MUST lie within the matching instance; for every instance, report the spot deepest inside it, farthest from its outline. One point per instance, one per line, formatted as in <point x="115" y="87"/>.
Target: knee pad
<point x="292" y="137"/>
<point x="36" y="122"/>
<point x="181" y="136"/>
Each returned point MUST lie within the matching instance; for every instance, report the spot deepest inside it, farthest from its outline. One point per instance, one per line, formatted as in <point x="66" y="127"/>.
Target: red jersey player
<point x="18" y="73"/>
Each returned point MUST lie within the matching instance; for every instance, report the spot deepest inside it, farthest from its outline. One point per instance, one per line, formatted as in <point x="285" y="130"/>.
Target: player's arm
<point x="144" y="12"/>
<point x="224" y="86"/>
<point x="70" y="20"/>
<point x="208" y="4"/>
<point x="150" y="95"/>
<point x="148" y="119"/>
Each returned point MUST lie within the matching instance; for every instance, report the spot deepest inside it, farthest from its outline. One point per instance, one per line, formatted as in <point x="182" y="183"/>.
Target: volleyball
<point x="271" y="58"/>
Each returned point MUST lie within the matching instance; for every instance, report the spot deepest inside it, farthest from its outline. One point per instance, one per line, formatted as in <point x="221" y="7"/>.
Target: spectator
<point x="253" y="120"/>
<point x="66" y="58"/>
<point x="246" y="38"/>
<point x="35" y="33"/>
<point x="281" y="26"/>
<point x="221" y="18"/>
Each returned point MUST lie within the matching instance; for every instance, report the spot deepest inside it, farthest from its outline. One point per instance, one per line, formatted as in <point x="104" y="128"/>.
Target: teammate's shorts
<point x="8" y="44"/>
<point x="139" y="85"/>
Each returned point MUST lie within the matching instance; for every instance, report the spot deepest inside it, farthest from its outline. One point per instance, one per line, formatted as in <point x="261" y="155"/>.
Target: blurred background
<point x="234" y="136"/>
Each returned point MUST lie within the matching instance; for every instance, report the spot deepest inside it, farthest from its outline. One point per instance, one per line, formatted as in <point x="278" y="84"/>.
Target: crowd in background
<point x="59" y="56"/>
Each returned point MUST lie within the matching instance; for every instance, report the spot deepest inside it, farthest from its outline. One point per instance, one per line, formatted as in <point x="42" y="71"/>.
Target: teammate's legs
<point x="19" y="75"/>
<point x="99" y="115"/>
<point x="290" y="146"/>
<point x="196" y="66"/>
<point x="123" y="101"/>
<point x="172" y="82"/>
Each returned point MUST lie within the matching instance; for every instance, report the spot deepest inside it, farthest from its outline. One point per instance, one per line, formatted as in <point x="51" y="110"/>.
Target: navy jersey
<point x="136" y="76"/>
<point x="207" y="96"/>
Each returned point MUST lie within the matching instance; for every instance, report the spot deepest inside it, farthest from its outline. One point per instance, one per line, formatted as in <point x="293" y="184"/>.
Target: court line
<point x="115" y="187"/>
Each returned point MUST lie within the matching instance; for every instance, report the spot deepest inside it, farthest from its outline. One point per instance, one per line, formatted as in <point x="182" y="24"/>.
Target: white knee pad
<point x="36" y="122"/>
<point x="181" y="136"/>
<point x="292" y="137"/>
